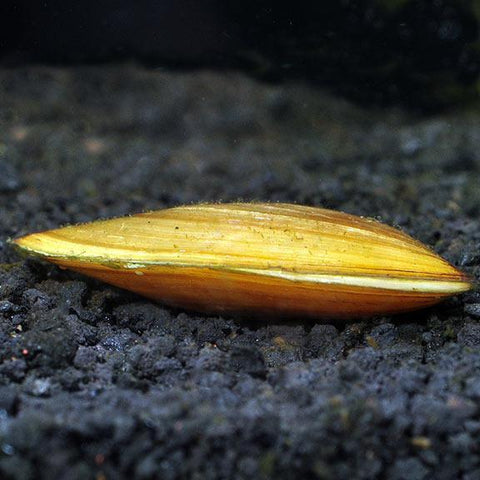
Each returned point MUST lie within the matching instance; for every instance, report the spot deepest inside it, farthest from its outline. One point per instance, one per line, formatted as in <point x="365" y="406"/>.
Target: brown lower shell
<point x="220" y="291"/>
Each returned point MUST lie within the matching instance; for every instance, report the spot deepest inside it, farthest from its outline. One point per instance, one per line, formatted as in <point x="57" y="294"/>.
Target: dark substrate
<point x="99" y="383"/>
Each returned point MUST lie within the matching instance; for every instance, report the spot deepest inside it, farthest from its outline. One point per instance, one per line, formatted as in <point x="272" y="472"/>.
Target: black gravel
<point x="99" y="383"/>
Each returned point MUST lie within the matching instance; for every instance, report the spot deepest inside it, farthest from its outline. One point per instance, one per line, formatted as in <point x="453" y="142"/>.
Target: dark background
<point x="423" y="53"/>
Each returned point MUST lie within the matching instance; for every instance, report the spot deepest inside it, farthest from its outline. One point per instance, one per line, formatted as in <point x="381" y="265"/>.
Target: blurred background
<point x="422" y="53"/>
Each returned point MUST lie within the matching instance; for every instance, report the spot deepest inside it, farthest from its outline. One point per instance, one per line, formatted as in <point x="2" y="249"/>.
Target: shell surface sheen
<point x="256" y="257"/>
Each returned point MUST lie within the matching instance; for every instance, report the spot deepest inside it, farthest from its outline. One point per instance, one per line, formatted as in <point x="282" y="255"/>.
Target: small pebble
<point x="9" y="179"/>
<point x="473" y="309"/>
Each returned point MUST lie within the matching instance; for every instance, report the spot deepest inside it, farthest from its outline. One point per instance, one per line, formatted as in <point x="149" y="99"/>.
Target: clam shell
<point x="256" y="258"/>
